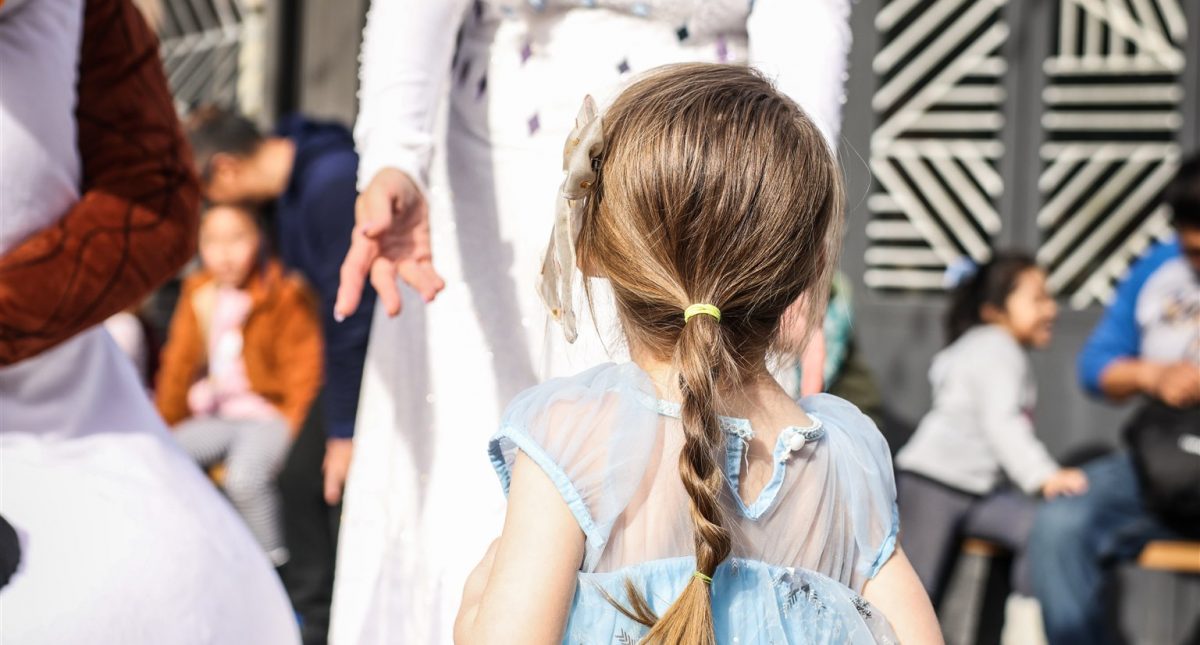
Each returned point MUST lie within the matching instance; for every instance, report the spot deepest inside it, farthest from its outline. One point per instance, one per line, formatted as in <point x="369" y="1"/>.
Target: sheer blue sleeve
<point x="864" y="479"/>
<point x="592" y="434"/>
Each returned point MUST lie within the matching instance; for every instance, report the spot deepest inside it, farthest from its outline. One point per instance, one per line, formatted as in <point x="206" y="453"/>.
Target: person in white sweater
<point x="958" y="472"/>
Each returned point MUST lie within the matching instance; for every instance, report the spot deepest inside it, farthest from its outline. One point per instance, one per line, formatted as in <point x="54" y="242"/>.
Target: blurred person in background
<point x="241" y="366"/>
<point x="121" y="539"/>
<point x="974" y="466"/>
<point x="1147" y="346"/>
<point x="421" y="497"/>
<point x="304" y="174"/>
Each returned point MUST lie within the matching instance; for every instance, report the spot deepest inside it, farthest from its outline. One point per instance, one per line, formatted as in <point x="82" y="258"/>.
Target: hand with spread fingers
<point x="391" y="239"/>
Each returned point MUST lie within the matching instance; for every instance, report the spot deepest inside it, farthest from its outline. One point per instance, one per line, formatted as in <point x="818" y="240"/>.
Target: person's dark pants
<point x="310" y="530"/>
<point x="1075" y="543"/>
<point x="934" y="518"/>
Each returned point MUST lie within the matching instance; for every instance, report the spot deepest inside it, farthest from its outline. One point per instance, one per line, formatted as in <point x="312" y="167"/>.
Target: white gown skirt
<point x="423" y="502"/>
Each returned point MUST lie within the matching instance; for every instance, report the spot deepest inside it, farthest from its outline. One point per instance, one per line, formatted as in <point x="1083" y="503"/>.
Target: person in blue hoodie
<point x="1147" y="344"/>
<point x="305" y="172"/>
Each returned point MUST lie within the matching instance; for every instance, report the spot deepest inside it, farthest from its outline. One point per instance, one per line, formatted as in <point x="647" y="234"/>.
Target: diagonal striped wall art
<point x="201" y="43"/>
<point x="1112" y="109"/>
<point x="936" y="150"/>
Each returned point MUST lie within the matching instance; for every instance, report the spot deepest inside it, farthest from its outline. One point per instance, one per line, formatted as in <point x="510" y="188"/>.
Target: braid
<point x="701" y="361"/>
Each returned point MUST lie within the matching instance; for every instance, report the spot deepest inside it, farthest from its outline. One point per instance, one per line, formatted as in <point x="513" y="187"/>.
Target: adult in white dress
<point x="122" y="538"/>
<point x="422" y="502"/>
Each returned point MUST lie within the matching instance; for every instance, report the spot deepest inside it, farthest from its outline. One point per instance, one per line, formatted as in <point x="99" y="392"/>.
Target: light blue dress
<point x="824" y="524"/>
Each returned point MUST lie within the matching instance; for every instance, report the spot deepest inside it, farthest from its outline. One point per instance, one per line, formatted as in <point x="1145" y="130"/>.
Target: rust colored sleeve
<point x="135" y="224"/>
<point x="302" y="351"/>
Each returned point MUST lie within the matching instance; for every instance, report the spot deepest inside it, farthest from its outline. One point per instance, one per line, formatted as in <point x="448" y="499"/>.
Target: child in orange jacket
<point x="241" y="366"/>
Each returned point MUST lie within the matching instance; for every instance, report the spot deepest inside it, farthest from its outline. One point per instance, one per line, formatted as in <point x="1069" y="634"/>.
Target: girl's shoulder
<point x="981" y="351"/>
<point x="610" y="392"/>
<point x="864" y="483"/>
<point x="989" y="338"/>
<point x="193" y="281"/>
<point x="591" y="434"/>
<point x="282" y="289"/>
<point x="845" y="424"/>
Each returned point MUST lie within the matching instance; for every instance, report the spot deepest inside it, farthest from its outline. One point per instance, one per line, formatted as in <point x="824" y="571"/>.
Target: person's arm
<point x="180" y="360"/>
<point x="1124" y="377"/>
<point x="406" y="51"/>
<point x="804" y="46"/>
<point x="1108" y="364"/>
<point x="329" y="216"/>
<point x="898" y="593"/>
<point x="996" y="384"/>
<point x="135" y="224"/>
<point x="300" y="353"/>
<point x="406" y="54"/>
<point x="521" y="592"/>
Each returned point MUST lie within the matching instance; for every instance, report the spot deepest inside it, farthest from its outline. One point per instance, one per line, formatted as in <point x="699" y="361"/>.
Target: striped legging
<point x="253" y="452"/>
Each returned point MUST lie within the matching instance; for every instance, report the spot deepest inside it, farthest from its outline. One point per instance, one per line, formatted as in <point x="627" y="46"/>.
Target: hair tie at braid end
<point x="699" y="308"/>
<point x="703" y="578"/>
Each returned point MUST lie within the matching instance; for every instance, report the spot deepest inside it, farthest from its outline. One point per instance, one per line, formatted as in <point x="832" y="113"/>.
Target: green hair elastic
<point x="700" y="308"/>
<point x="706" y="579"/>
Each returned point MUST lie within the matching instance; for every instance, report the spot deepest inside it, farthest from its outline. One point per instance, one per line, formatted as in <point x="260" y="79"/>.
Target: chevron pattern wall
<point x="935" y="152"/>
<point x="1112" y="111"/>
<point x="200" y="44"/>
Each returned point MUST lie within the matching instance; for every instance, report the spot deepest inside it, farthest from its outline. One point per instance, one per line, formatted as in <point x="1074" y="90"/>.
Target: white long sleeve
<point x="996" y="376"/>
<point x="803" y="46"/>
<point x="405" y="63"/>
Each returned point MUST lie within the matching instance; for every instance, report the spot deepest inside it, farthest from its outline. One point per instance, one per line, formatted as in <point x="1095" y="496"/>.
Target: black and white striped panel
<point x="1112" y="109"/>
<point x="936" y="150"/>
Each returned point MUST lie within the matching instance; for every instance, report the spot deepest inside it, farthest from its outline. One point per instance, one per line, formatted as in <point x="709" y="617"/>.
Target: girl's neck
<point x="1008" y="329"/>
<point x="759" y="399"/>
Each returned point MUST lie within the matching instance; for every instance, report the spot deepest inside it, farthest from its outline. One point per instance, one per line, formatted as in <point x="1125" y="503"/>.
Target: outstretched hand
<point x="391" y="238"/>
<point x="1069" y="482"/>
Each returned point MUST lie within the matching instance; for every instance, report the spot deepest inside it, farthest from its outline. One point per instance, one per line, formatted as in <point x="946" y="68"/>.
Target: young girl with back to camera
<point x="684" y="497"/>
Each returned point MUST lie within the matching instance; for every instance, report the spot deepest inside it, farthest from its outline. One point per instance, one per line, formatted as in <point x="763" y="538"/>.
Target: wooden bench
<point x="982" y="548"/>
<point x="1161" y="594"/>
<point x="1160" y="590"/>
<point x="1173" y="556"/>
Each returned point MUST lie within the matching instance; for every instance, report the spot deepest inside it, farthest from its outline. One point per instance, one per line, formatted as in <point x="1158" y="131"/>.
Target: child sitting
<point x="685" y="497"/>
<point x="980" y="430"/>
<point x="241" y="366"/>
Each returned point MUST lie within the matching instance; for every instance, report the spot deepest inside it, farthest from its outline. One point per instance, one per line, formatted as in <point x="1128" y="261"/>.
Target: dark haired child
<point x="979" y="437"/>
